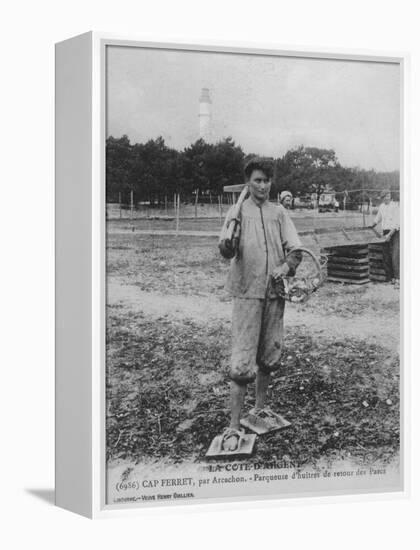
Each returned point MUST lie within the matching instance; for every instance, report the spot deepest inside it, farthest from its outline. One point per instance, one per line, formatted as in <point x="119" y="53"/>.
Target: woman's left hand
<point x="280" y="271"/>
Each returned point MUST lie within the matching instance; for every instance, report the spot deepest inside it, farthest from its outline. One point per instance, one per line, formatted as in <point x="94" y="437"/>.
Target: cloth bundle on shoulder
<point x="229" y="246"/>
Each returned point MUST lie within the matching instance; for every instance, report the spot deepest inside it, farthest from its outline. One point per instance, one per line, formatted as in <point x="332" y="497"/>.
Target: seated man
<point x="267" y="234"/>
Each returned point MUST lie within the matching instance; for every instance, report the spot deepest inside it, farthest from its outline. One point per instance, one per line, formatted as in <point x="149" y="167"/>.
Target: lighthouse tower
<point x="204" y="115"/>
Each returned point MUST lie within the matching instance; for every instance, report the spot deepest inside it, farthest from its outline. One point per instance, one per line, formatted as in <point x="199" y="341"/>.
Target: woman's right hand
<point x="227" y="249"/>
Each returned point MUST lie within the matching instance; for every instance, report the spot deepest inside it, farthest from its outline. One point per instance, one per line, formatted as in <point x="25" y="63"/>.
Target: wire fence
<point x="209" y="218"/>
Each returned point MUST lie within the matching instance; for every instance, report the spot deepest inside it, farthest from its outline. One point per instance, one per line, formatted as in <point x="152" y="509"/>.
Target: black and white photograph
<point x="209" y="289"/>
<point x="252" y="275"/>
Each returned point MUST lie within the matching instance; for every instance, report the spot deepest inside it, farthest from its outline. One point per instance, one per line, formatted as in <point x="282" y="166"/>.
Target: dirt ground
<point x="168" y="340"/>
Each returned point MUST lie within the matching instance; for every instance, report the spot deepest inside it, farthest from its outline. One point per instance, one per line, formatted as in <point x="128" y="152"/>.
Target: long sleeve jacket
<point x="267" y="235"/>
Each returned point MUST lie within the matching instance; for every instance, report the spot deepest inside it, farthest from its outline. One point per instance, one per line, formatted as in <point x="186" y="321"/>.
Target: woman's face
<point x="259" y="186"/>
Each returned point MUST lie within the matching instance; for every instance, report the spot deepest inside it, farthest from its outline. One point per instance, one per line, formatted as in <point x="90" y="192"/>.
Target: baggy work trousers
<point x="257" y="337"/>
<point x="392" y="255"/>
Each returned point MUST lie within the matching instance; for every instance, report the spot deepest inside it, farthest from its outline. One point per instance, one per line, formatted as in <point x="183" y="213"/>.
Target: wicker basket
<point x="298" y="288"/>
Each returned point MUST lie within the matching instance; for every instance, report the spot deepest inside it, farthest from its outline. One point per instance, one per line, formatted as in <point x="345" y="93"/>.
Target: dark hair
<point x="259" y="163"/>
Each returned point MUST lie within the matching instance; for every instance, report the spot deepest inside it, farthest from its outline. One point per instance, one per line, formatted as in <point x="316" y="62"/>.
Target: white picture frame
<point x="81" y="265"/>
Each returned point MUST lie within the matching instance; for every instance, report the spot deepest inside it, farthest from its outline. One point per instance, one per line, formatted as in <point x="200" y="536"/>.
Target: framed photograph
<point x="229" y="243"/>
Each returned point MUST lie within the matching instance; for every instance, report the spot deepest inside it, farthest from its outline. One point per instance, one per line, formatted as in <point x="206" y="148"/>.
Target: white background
<point x="28" y="33"/>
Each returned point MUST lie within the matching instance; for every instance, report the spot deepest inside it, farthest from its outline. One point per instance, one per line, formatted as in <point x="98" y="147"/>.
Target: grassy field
<point x="168" y="340"/>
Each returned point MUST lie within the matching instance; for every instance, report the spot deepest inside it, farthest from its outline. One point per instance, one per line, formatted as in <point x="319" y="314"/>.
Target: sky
<point x="267" y="104"/>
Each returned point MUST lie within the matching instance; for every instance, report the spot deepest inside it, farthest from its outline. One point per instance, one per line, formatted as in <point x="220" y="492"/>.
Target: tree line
<point x="154" y="172"/>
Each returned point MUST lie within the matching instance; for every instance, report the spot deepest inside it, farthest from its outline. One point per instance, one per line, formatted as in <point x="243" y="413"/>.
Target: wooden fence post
<point x="177" y="212"/>
<point x="196" y="201"/>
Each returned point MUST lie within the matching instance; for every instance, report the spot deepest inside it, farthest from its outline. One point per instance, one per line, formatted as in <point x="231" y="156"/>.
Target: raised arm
<point x="226" y="246"/>
<point x="229" y="238"/>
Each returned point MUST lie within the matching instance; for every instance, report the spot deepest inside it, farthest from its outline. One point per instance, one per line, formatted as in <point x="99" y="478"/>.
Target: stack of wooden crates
<point x="355" y="255"/>
<point x="349" y="264"/>
<point x="377" y="270"/>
